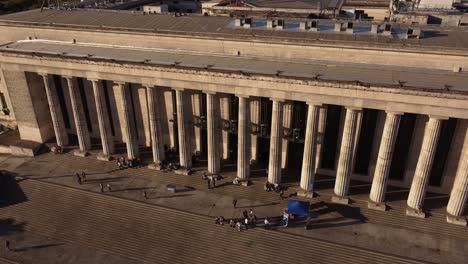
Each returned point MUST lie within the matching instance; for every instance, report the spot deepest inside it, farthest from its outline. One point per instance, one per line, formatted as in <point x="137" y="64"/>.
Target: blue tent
<point x="298" y="207"/>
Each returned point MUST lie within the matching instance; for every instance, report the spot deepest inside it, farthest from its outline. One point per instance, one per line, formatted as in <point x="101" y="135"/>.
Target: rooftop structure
<point x="264" y="8"/>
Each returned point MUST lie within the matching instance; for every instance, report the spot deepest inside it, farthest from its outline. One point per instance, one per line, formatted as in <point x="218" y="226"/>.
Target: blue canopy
<point x="298" y="207"/>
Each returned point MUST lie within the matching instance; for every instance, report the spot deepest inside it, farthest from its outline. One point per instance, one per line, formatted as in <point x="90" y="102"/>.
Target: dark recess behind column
<point x="61" y="97"/>
<point x="442" y="151"/>
<point x="366" y="138"/>
<point x="132" y="105"/>
<point x="331" y="136"/>
<point x="85" y="103"/>
<point x="402" y="145"/>
<point x="109" y="111"/>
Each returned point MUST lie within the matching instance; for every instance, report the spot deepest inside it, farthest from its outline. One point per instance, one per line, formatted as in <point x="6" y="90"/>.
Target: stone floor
<point x="390" y="232"/>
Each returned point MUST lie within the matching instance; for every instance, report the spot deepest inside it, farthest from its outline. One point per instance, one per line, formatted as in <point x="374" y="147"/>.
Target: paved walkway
<point x="390" y="232"/>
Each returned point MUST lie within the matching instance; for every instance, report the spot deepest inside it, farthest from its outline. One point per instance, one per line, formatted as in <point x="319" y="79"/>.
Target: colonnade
<point x="215" y="113"/>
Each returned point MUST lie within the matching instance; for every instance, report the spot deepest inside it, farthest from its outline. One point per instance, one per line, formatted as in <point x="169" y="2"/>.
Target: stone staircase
<point x="435" y="224"/>
<point x="162" y="235"/>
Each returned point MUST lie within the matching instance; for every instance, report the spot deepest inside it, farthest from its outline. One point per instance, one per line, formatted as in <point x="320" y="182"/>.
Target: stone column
<point x="184" y="153"/>
<point x="423" y="168"/>
<point x="225" y="102"/>
<point x="288" y="108"/>
<point x="131" y="140"/>
<point x="322" y="124"/>
<point x="276" y="136"/>
<point x="343" y="173"/>
<point x="310" y="146"/>
<point x="196" y="99"/>
<point x="243" y="139"/>
<point x="459" y="194"/>
<point x="82" y="131"/>
<point x="384" y="159"/>
<point x="155" y="126"/>
<point x="61" y="135"/>
<point x="212" y="128"/>
<point x="255" y="116"/>
<point x="107" y="140"/>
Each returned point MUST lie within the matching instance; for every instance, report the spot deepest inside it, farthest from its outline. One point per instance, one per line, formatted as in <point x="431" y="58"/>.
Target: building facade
<point x="385" y="109"/>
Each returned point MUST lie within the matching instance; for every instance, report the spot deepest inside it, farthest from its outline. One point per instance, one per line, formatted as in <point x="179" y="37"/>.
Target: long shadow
<point x="105" y="180"/>
<point x="22" y="249"/>
<point x="133" y="189"/>
<point x="10" y="192"/>
<point x="173" y="196"/>
<point x="9" y="226"/>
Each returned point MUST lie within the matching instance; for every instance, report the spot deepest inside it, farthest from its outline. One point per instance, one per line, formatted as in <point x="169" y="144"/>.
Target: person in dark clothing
<point x="145" y="194"/>
<point x="209" y="183"/>
<point x="246" y="215"/>
<point x="83" y="176"/>
<point x="234" y="202"/>
<point x="101" y="187"/>
<point x="7" y="245"/>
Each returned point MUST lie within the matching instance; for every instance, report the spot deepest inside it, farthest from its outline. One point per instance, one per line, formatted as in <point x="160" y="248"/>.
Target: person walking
<point x="266" y="224"/>
<point x="109" y="189"/>
<point x="7" y="245"/>
<point x="209" y="183"/>
<point x="145" y="194"/>
<point x="246" y="222"/>
<point x="234" y="202"/>
<point x="101" y="187"/>
<point x="214" y="181"/>
<point x="281" y="195"/>
<point x="78" y="178"/>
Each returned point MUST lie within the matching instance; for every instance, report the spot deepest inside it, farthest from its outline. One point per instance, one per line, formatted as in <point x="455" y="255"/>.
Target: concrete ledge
<point x="376" y="206"/>
<point x="456" y="220"/>
<point x="80" y="153"/>
<point x="154" y="166"/>
<point x="340" y="199"/>
<point x="182" y="171"/>
<point x="415" y="212"/>
<point x="306" y="194"/>
<point x="23" y="148"/>
<point x="104" y="157"/>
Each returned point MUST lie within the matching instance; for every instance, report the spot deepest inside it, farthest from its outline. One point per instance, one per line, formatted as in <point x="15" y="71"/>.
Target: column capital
<point x="177" y="89"/>
<point x="67" y="77"/>
<point x="209" y="92"/>
<point x="438" y="117"/>
<point x="353" y="108"/>
<point x="147" y="85"/>
<point x="43" y="74"/>
<point x="393" y="112"/>
<point x="311" y="103"/>
<point x="120" y="83"/>
<point x="242" y="96"/>
<point x="279" y="100"/>
<point x="92" y="79"/>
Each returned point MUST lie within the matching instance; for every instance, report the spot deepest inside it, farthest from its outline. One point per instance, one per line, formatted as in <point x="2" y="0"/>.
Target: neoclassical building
<point x="378" y="103"/>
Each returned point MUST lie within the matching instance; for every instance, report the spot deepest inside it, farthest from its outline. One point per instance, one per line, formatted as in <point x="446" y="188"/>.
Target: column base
<point x="253" y="162"/>
<point x="155" y="166"/>
<point x="182" y="171"/>
<point x="306" y="194"/>
<point x="340" y="199"/>
<point x="415" y="212"/>
<point x="456" y="220"/>
<point x="376" y="206"/>
<point x="80" y="153"/>
<point x="104" y="157"/>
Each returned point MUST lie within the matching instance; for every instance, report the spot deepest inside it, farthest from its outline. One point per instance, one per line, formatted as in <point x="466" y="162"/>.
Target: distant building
<point x="268" y="8"/>
<point x="156" y="8"/>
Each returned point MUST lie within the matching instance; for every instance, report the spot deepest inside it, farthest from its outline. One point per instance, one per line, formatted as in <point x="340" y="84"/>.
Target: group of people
<point x="130" y="163"/>
<point x="211" y="179"/>
<point x="108" y="187"/>
<point x="272" y="187"/>
<point x="56" y="149"/>
<point x="249" y="220"/>
<point x="80" y="178"/>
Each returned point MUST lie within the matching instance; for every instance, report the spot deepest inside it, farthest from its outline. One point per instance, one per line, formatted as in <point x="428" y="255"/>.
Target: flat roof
<point x="395" y="77"/>
<point x="435" y="39"/>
